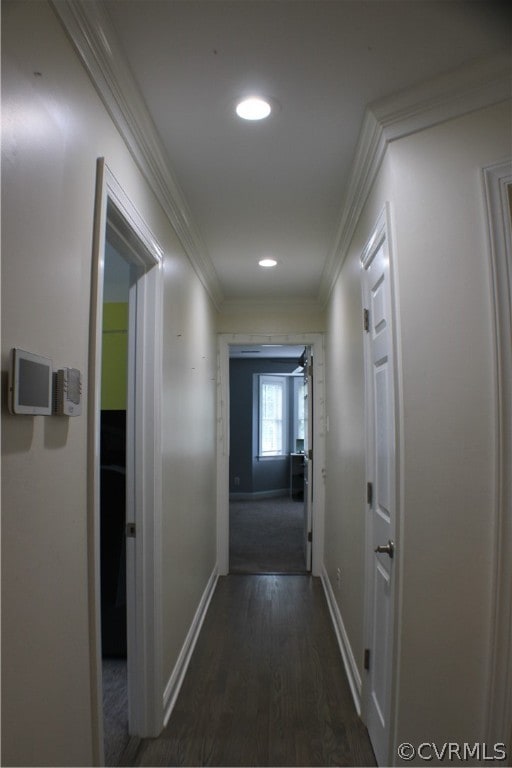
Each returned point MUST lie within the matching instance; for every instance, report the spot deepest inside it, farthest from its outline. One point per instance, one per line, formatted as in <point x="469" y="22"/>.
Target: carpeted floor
<point x="115" y="709"/>
<point x="266" y="536"/>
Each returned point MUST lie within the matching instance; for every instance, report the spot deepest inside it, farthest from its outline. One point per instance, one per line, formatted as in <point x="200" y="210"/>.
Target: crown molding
<point x="453" y="94"/>
<point x="91" y="32"/>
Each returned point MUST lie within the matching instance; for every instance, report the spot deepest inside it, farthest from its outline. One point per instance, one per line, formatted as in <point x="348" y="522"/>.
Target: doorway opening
<point x="124" y="474"/>
<point x="268" y="515"/>
<point x="119" y="281"/>
<point x="265" y="472"/>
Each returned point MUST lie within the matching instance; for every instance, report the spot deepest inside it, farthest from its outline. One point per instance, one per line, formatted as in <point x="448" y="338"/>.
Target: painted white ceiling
<point x="276" y="187"/>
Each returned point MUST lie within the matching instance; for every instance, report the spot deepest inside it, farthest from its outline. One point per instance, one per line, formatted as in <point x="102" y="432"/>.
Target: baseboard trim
<point x="349" y="662"/>
<point x="279" y="492"/>
<point x="175" y="682"/>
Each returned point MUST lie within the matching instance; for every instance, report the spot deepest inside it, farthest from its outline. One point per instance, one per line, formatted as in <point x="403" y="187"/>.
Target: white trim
<point x="93" y="463"/>
<point x="144" y="589"/>
<point x="316" y="341"/>
<point x="349" y="662"/>
<point x="175" y="681"/>
<point x="473" y="86"/>
<point x="497" y="181"/>
<point x="455" y="93"/>
<point x="90" y="30"/>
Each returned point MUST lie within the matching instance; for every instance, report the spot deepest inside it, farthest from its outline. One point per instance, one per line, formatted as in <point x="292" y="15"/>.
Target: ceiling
<point x="276" y="187"/>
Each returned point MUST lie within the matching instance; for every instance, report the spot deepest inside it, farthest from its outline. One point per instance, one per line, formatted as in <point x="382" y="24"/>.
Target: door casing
<point x="316" y="341"/>
<point x="144" y="493"/>
<point x="497" y="188"/>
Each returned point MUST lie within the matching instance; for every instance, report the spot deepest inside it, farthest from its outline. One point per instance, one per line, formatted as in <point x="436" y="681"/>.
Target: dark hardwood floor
<point x="266" y="684"/>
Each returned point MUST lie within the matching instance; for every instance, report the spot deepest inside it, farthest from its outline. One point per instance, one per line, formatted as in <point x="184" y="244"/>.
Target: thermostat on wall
<point x="67" y="392"/>
<point x="30" y="384"/>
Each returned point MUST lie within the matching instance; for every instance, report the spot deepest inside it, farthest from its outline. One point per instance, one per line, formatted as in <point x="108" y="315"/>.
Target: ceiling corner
<point x="90" y="30"/>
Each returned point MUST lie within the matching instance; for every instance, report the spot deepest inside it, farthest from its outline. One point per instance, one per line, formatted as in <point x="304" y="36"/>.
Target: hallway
<point x="266" y="684"/>
<point x="388" y="138"/>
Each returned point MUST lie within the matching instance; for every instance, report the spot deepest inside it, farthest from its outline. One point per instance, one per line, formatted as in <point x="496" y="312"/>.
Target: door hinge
<point x="130" y="530"/>
<point x="366" y="319"/>
<point x="310" y="536"/>
<point x="310" y="454"/>
<point x="367" y="658"/>
<point x="369" y="493"/>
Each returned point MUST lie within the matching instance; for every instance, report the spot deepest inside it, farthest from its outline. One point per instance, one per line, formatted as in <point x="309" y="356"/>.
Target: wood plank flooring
<point x="266" y="684"/>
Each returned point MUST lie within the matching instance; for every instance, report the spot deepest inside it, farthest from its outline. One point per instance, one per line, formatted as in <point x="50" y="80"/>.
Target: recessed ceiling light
<point x="267" y="263"/>
<point x="253" y="108"/>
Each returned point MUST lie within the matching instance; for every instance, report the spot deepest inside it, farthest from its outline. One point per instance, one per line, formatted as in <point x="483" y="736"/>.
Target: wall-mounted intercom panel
<point x="67" y="392"/>
<point x="30" y="384"/>
<point x="35" y="389"/>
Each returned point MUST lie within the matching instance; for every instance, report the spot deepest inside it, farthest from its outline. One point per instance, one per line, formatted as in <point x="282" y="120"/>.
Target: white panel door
<point x="381" y="466"/>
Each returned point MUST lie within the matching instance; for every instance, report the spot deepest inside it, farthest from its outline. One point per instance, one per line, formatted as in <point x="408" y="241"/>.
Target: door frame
<point x="382" y="232"/>
<point x="309" y="443"/>
<point x="497" y="187"/>
<point x="144" y="635"/>
<point x="316" y="341"/>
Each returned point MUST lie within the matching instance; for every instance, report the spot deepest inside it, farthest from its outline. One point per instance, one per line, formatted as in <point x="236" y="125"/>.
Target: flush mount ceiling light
<point x="267" y="263"/>
<point x="253" y="108"/>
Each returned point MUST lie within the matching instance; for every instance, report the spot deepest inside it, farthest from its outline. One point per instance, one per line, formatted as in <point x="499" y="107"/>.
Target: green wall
<point x="114" y="365"/>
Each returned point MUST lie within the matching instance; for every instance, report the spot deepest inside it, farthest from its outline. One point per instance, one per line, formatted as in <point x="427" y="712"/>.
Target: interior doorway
<point x="125" y="471"/>
<point x="119" y="282"/>
<point x="231" y="484"/>
<point x="268" y="402"/>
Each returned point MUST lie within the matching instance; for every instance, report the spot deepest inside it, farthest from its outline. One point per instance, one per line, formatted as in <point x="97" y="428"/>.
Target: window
<point x="272" y="415"/>
<point x="299" y="391"/>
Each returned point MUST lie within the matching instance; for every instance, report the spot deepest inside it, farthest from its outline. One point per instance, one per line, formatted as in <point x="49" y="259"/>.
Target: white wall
<point x="246" y="318"/>
<point x="54" y="128"/>
<point x="449" y="432"/>
<point x="432" y="180"/>
<point x="189" y="442"/>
